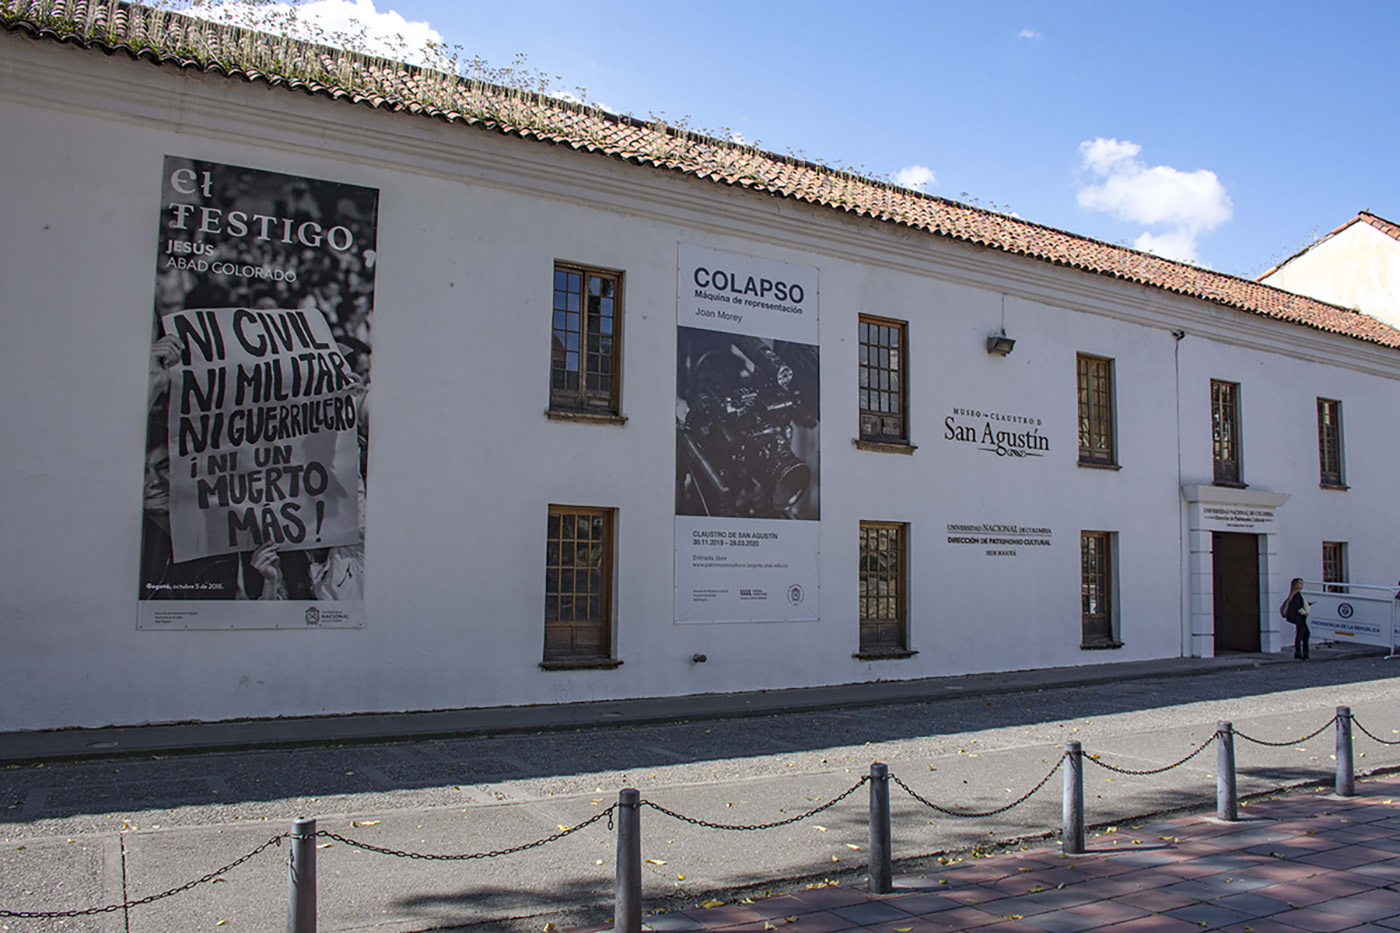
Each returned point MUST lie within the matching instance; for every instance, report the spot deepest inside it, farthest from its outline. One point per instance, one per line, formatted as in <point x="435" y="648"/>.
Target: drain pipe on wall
<point x="1183" y="583"/>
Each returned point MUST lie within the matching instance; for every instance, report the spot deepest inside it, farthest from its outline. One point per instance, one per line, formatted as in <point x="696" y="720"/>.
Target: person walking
<point x="1295" y="609"/>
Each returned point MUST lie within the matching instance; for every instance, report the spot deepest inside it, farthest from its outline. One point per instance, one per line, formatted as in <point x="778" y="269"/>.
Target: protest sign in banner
<point x="257" y="426"/>
<point x="264" y="447"/>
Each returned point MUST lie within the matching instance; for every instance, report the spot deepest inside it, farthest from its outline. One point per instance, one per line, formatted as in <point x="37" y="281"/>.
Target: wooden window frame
<point x="1097" y="588"/>
<point x="1098" y="440"/>
<point x="876" y="336"/>
<point x="874" y="611"/>
<point x="1329" y="444"/>
<point x="587" y="361"/>
<point x="1225" y="447"/>
<point x="1334" y="566"/>
<point x="562" y="636"/>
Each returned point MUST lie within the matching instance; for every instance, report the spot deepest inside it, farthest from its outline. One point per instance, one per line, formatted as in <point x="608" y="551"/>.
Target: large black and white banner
<point x="748" y="430"/>
<point x="257" y="411"/>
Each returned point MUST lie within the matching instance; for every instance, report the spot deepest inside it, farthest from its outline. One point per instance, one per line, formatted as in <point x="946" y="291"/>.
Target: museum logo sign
<point x="1006" y="435"/>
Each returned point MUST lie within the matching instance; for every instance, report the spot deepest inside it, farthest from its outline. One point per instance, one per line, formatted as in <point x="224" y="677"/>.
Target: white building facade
<point x="1139" y="477"/>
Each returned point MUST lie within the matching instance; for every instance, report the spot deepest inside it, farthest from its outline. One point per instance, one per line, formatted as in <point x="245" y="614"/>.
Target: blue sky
<point x="1229" y="133"/>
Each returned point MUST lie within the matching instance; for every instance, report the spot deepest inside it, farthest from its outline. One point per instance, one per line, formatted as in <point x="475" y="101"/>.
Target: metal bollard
<point x="1227" y="806"/>
<point x="1072" y="839"/>
<point x="301" y="878"/>
<point x="881" y="860"/>
<point x="1346" y="775"/>
<point x="627" y="906"/>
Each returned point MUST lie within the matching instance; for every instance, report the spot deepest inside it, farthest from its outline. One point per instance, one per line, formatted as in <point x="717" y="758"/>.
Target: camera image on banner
<point x="748" y="439"/>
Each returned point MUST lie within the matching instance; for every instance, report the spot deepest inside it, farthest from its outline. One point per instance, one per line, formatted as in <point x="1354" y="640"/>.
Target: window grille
<point x="584" y="359"/>
<point x="1096" y="587"/>
<point x="1225" y="431"/>
<point x="883" y="596"/>
<point x="1329" y="441"/>
<point x="883" y="384"/>
<point x="578" y="584"/>
<point x="1096" y="436"/>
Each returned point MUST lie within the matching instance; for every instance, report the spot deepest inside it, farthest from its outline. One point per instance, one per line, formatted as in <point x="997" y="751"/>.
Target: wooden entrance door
<point x="1236" y="573"/>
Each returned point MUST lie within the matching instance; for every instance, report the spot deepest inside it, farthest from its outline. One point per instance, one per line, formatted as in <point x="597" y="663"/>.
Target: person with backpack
<point x="1295" y="609"/>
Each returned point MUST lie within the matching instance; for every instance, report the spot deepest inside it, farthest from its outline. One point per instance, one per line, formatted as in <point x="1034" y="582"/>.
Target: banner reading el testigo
<point x="257" y="428"/>
<point x="748" y="432"/>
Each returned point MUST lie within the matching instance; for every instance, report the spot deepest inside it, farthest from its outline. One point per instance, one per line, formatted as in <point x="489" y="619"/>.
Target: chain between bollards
<point x="301" y="878"/>
<point x="1346" y="775"/>
<point x="881" y="853"/>
<point x="1072" y="837"/>
<point x="1227" y="798"/>
<point x="627" y="907"/>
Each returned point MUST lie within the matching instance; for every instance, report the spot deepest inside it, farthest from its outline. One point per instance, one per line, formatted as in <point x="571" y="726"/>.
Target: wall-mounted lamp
<point x="1000" y="344"/>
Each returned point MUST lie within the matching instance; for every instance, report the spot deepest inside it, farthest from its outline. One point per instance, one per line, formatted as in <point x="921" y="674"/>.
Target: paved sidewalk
<point x="1311" y="863"/>
<point x="89" y="833"/>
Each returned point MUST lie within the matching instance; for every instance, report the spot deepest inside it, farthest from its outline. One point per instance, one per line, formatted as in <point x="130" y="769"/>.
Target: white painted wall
<point x="464" y="465"/>
<point x="1357" y="268"/>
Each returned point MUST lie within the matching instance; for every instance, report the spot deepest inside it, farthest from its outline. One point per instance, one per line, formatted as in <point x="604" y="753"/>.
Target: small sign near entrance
<point x="1242" y="518"/>
<point x="1001" y="540"/>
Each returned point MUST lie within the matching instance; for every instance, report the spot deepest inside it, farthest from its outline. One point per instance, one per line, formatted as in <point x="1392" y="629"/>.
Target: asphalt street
<point x="88" y="833"/>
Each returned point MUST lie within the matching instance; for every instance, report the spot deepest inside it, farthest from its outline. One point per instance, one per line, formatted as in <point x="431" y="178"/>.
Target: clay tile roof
<point x="1388" y="227"/>
<point x="171" y="39"/>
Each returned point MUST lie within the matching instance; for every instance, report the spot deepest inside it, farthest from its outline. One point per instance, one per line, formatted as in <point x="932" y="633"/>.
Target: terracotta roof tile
<point x="170" y="39"/>
<point x="1390" y="228"/>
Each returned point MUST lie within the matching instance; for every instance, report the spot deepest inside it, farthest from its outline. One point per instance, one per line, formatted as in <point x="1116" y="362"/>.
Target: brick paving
<point x="1312" y="863"/>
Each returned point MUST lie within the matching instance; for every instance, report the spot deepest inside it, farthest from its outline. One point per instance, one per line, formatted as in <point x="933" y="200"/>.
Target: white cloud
<point x="1027" y="34"/>
<point x="353" y="23"/>
<point x="1100" y="155"/>
<point x="1187" y="203"/>
<point x="1174" y="244"/>
<point x="917" y="177"/>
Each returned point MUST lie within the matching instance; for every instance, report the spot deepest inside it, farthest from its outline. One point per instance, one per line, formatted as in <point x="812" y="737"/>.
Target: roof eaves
<point x="531" y="116"/>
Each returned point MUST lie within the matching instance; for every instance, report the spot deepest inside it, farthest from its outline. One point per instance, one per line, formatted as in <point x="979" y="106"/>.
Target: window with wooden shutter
<point x="883" y="587"/>
<point x="1097" y="443"/>
<point x="1225" y="431"/>
<point x="884" y="397"/>
<point x="1329" y="442"/>
<point x="584" y="362"/>
<point x="578" y="586"/>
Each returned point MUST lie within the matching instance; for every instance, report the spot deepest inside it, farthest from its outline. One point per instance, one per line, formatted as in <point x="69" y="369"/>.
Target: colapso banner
<point x="748" y="431"/>
<point x="257" y="426"/>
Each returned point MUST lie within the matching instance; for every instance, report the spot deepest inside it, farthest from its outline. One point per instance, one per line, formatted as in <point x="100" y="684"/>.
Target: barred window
<point x="578" y="584"/>
<point x="1096" y="436"/>
<point x="1225" y="431"/>
<point x="883" y="386"/>
<point x="1334" y="565"/>
<point x="584" y="367"/>
<point x="1329" y="441"/>
<point x="1096" y="588"/>
<point x="883" y="593"/>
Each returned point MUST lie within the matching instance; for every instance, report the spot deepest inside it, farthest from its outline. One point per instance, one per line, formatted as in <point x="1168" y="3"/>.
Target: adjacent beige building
<point x="1356" y="266"/>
